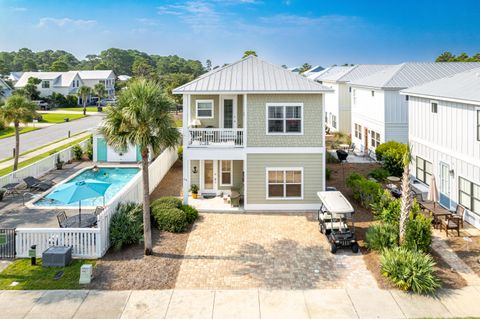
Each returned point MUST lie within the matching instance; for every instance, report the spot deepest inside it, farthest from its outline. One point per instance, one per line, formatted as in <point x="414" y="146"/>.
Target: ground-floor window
<point x="226" y="173"/>
<point x="284" y="183"/>
<point x="358" y="131"/>
<point x="469" y="195"/>
<point x="424" y="170"/>
<point x="375" y="139"/>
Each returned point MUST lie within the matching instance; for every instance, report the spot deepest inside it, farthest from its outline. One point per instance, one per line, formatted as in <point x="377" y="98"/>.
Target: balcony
<point x="216" y="138"/>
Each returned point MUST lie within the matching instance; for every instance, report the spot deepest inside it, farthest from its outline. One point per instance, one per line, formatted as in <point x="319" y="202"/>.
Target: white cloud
<point x="200" y="15"/>
<point x="66" y="22"/>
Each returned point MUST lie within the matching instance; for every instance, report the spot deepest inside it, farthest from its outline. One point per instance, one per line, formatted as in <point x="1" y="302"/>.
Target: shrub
<point x="171" y="202"/>
<point x="191" y="212"/>
<point x="331" y="159"/>
<point x="380" y="174"/>
<point x="77" y="152"/>
<point x="392" y="153"/>
<point x="409" y="270"/>
<point x="381" y="236"/>
<point x="126" y="227"/>
<point x="328" y="173"/>
<point x="365" y="191"/>
<point x="89" y="148"/>
<point x="170" y="219"/>
<point x="180" y="153"/>
<point x="418" y="233"/>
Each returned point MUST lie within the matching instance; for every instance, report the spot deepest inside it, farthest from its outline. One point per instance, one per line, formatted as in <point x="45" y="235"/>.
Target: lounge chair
<point x="61" y="217"/>
<point x="98" y="210"/>
<point x="36" y="184"/>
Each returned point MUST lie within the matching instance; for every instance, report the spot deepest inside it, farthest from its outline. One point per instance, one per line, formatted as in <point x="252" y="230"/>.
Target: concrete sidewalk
<point x="44" y="149"/>
<point x="251" y="304"/>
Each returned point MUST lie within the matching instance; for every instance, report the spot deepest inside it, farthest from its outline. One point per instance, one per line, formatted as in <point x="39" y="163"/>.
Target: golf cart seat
<point x="336" y="226"/>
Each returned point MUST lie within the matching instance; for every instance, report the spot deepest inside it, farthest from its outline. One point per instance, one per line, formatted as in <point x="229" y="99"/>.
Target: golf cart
<point x="336" y="221"/>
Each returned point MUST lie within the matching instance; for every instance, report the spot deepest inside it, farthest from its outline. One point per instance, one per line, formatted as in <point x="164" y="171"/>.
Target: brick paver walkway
<point x="229" y="251"/>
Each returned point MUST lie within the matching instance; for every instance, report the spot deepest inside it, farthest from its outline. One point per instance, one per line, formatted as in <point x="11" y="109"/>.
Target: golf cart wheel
<point x="333" y="248"/>
<point x="355" y="247"/>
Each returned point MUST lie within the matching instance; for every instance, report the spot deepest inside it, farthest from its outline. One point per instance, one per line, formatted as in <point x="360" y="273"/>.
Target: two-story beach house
<point x="379" y="112"/>
<point x="444" y="134"/>
<point x="66" y="83"/>
<point x="338" y="113"/>
<point x="258" y="129"/>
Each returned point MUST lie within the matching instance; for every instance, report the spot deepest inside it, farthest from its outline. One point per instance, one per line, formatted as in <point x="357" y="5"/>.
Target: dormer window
<point x="45" y="84"/>
<point x="434" y="106"/>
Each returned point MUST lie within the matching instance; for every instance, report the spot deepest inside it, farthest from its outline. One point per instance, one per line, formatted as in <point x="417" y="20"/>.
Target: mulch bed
<point x="364" y="218"/>
<point x="130" y="269"/>
<point x="171" y="184"/>
<point x="468" y="252"/>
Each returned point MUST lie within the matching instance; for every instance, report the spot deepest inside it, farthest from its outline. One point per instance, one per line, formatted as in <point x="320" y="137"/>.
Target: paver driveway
<point x="228" y="251"/>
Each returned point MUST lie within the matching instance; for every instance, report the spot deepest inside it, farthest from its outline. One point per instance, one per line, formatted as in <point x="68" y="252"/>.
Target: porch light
<point x="452" y="172"/>
<point x="194" y="170"/>
<point x="195" y="123"/>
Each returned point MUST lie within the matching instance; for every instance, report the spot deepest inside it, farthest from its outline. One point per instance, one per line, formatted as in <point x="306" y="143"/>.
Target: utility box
<point x="85" y="274"/>
<point x="57" y="256"/>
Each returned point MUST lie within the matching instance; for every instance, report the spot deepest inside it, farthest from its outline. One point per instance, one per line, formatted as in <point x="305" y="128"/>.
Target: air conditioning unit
<point x="57" y="256"/>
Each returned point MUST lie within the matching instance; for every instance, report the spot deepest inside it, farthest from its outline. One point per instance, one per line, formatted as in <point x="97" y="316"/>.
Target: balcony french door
<point x="228" y="112"/>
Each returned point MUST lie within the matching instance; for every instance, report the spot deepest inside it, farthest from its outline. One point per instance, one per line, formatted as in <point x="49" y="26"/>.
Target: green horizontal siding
<point x="313" y="175"/>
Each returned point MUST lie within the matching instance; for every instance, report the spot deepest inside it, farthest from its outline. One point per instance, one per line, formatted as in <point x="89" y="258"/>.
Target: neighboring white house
<point x="254" y="129"/>
<point x="444" y="134"/>
<point x="6" y="89"/>
<point x="338" y="113"/>
<point x="15" y="76"/>
<point x="66" y="83"/>
<point x="314" y="71"/>
<point x="123" y="77"/>
<point x="379" y="112"/>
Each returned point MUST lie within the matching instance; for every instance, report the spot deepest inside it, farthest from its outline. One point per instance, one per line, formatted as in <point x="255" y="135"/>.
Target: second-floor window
<point x="204" y="109"/>
<point x="434" y="107"/>
<point x="424" y="170"/>
<point x="334" y="121"/>
<point x="478" y="124"/>
<point x="358" y="131"/>
<point x="284" y="118"/>
<point x="45" y="84"/>
<point x="375" y="140"/>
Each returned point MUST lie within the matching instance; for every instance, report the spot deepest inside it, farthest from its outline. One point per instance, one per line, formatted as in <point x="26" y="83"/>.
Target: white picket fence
<point x="94" y="242"/>
<point x="40" y="167"/>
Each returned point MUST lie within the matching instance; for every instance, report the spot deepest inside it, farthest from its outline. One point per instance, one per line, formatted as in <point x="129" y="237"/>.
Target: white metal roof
<point x="463" y="86"/>
<point x="315" y="69"/>
<point x="351" y="73"/>
<point x="251" y="75"/>
<point x="334" y="73"/>
<point x="14" y="76"/>
<point x="335" y="202"/>
<point x="411" y="74"/>
<point x="52" y="76"/>
<point x="96" y="74"/>
<point x="4" y="84"/>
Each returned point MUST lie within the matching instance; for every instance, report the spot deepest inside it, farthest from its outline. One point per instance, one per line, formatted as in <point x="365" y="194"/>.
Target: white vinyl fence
<point x="40" y="167"/>
<point x="94" y="242"/>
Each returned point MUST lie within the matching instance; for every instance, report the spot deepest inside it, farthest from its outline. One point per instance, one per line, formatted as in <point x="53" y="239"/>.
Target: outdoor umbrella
<point x="77" y="191"/>
<point x="432" y="191"/>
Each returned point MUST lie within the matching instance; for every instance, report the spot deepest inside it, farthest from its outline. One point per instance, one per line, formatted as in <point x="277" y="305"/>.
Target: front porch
<point x="217" y="204"/>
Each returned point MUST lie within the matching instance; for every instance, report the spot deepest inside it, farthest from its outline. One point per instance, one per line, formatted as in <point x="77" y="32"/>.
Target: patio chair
<point x="61" y="217"/>
<point x="36" y="184"/>
<point x="98" y="210"/>
<point x="351" y="148"/>
<point x="450" y="223"/>
<point x="458" y="214"/>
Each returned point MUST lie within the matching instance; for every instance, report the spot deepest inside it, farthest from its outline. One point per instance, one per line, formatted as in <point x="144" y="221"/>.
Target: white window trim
<point x="284" y="105"/>
<point x="477" y="124"/>
<point x="268" y="169"/>
<point x="204" y="101"/>
<point x="221" y="173"/>
<point x="468" y="179"/>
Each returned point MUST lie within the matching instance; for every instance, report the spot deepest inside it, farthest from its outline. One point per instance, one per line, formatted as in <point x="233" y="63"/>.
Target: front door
<point x="209" y="180"/>
<point x="229" y="112"/>
<point x="444" y="181"/>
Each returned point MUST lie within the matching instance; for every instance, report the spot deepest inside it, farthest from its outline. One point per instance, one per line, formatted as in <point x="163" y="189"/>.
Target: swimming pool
<point x="117" y="176"/>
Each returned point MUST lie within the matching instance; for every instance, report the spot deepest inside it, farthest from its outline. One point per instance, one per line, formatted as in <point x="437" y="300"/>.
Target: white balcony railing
<point x="216" y="137"/>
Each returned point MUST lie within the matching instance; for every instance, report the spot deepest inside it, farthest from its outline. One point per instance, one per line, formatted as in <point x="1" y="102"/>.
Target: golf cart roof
<point x="335" y="202"/>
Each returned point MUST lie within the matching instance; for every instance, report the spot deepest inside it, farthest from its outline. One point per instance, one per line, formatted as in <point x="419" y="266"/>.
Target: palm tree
<point x="83" y="93"/>
<point x="407" y="201"/>
<point x="100" y="92"/>
<point x="141" y="117"/>
<point x="17" y="109"/>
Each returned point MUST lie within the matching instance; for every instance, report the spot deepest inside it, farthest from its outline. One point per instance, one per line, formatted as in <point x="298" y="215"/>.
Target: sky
<point x="287" y="32"/>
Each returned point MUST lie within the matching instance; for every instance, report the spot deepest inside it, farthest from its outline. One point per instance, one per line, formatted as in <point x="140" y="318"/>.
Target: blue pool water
<point x="117" y="176"/>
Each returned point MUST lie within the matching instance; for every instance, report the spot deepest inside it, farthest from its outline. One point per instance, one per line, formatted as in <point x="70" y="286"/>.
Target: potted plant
<point x="194" y="190"/>
<point x="59" y="163"/>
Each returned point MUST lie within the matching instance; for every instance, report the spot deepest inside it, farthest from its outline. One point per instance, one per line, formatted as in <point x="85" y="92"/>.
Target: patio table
<point x="86" y="221"/>
<point x="436" y="211"/>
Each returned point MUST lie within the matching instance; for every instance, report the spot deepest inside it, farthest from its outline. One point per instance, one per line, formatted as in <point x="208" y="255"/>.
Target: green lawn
<point x="10" y="131"/>
<point x="59" y="117"/>
<point x="77" y="109"/>
<point x="29" y="161"/>
<point x="38" y="277"/>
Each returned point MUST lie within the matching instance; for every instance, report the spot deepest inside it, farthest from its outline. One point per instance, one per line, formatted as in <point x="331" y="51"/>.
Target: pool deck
<point x="13" y="213"/>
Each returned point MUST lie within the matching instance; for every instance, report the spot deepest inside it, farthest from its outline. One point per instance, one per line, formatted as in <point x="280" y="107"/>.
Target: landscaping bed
<point x="130" y="269"/>
<point x="470" y="254"/>
<point x="364" y="218"/>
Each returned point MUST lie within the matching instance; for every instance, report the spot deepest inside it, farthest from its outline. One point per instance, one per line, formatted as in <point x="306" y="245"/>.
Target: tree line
<point x="462" y="57"/>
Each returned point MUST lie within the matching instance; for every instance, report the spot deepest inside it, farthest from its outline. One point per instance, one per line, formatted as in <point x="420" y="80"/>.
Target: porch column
<point x="186" y="178"/>
<point x="186" y="158"/>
